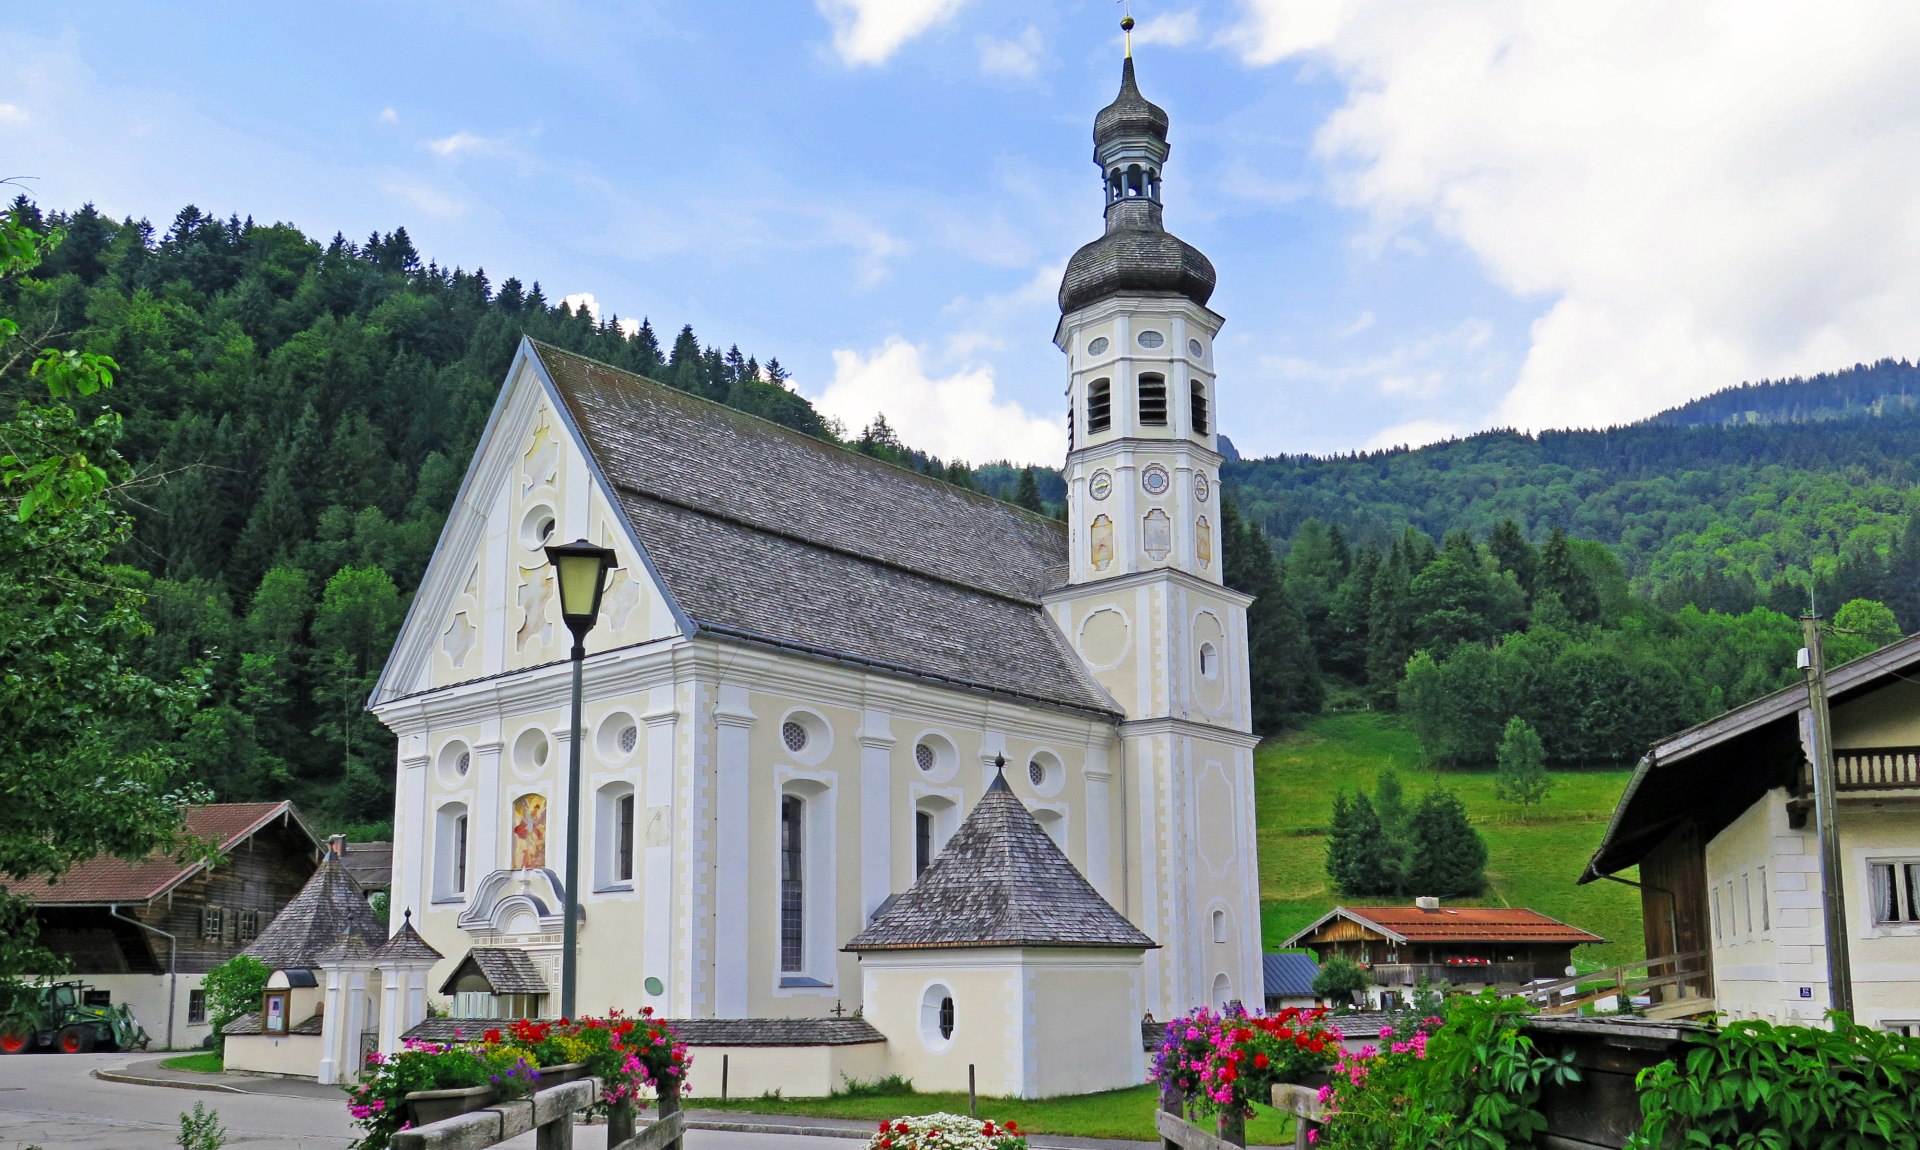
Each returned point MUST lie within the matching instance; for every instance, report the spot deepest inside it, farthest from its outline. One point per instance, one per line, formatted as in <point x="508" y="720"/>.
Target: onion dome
<point x="1130" y="114"/>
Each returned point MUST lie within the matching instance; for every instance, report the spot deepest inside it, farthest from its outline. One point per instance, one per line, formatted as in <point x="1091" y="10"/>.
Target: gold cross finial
<point x="1126" y="24"/>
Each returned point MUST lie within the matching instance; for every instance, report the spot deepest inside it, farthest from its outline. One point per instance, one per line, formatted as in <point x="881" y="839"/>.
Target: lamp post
<point x="581" y="570"/>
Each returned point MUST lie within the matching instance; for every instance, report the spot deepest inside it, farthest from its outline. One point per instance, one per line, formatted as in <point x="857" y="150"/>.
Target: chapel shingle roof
<point x="767" y="534"/>
<point x="700" y="1031"/>
<point x="406" y="945"/>
<point x="1000" y="881"/>
<point x="106" y="879"/>
<point x="507" y="969"/>
<point x="329" y="914"/>
<point x="1457" y="924"/>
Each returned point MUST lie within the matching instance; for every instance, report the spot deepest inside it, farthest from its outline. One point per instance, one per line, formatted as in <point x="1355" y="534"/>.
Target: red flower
<point x="491" y="1037"/>
<point x="885" y="1126"/>
<point x="1316" y="1046"/>
<point x="1260" y="1061"/>
<point x="1013" y="1126"/>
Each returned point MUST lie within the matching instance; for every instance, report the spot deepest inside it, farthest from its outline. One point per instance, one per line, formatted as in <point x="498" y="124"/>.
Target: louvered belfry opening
<point x="1153" y="400"/>
<point x="1099" y="406"/>
<point x="1199" y="408"/>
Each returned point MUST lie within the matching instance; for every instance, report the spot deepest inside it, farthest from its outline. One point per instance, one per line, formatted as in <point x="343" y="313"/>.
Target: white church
<point x="796" y="840"/>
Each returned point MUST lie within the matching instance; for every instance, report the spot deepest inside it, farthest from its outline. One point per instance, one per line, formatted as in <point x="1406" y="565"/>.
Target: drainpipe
<point x="173" y="954"/>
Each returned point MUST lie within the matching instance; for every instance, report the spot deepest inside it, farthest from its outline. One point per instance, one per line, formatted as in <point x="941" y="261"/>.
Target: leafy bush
<point x="201" y="1129"/>
<point x="233" y="989"/>
<point x="884" y="1086"/>
<point x="1774" y="1087"/>
<point x="1339" y="978"/>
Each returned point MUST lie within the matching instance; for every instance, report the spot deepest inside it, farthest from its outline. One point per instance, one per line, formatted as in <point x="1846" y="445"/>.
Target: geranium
<point x="1222" y="1063"/>
<point x="947" y="1132"/>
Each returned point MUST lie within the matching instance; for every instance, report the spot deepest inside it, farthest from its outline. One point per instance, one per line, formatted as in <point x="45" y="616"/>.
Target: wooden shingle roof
<point x="330" y="914"/>
<point x="114" y="880"/>
<point x="1454" y="924"/>
<point x="1000" y="881"/>
<point x="765" y="534"/>
<point x="507" y="969"/>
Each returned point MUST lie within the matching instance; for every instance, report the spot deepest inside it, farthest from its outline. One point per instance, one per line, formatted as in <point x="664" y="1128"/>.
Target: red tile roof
<point x="107" y="879"/>
<point x="1462" y="924"/>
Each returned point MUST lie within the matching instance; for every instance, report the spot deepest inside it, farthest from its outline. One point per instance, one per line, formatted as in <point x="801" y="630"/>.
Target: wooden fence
<point x="550" y="1114"/>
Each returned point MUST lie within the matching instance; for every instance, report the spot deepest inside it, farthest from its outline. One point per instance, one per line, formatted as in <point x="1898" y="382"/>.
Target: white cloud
<point x="1174" y="29"/>
<point x="13" y="113"/>
<point x="1360" y="324"/>
<point x="586" y="299"/>
<point x="425" y="198"/>
<point x="1698" y="193"/>
<point x="461" y="143"/>
<point x="389" y="116"/>
<point x="871" y="31"/>
<point x="1414" y="433"/>
<point x="1017" y="58"/>
<point x="955" y="416"/>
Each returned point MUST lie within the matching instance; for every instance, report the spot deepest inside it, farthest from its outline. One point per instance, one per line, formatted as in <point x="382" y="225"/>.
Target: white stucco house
<point x="1718" y="819"/>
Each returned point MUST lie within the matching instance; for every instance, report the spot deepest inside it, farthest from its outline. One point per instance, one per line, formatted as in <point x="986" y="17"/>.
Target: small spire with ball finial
<point x="1126" y="26"/>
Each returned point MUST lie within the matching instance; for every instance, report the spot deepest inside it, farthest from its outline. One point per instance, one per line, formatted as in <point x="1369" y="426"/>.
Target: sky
<point x="1428" y="218"/>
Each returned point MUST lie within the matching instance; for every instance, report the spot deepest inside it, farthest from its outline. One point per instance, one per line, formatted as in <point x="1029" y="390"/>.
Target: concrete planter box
<point x="428" y="1106"/>
<point x="562" y="1074"/>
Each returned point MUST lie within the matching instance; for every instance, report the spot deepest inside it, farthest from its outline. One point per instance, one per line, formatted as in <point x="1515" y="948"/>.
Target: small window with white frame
<point x="1894" y="888"/>
<point x="1904" y="1027"/>
<point x="1766" y="908"/>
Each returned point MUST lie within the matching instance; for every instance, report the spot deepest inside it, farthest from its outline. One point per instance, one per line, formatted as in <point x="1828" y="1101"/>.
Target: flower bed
<point x="1220" y="1064"/>
<point x="947" y="1132"/>
<point x="627" y="1054"/>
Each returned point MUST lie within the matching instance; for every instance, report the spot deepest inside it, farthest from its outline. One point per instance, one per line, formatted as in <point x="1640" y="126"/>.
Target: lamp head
<point x="581" y="569"/>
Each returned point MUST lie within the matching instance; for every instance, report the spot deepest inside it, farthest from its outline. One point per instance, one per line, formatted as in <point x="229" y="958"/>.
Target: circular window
<point x="1101" y="485"/>
<point x="936" y="756"/>
<point x="925" y="758"/>
<point x="1037" y="773"/>
<point x="537" y="527"/>
<point x="1098" y="346"/>
<point x="805" y="736"/>
<point x="1193" y="348"/>
<point x="629" y="738"/>
<point x="455" y="760"/>
<point x="617" y="737"/>
<point x="937" y="1016"/>
<point x="461" y="764"/>
<point x="1046" y="773"/>
<point x="1151" y="339"/>
<point x="1155" y="480"/>
<point x="1201" y="488"/>
<point x="530" y="750"/>
<point x="794" y="736"/>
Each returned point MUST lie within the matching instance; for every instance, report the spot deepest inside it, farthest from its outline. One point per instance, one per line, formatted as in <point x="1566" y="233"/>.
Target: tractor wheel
<point x="15" y="1037"/>
<point x="74" y="1040"/>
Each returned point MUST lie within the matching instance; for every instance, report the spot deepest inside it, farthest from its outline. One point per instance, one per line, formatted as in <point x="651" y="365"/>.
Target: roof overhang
<point x="283" y="811"/>
<point x="1708" y="774"/>
<point x="1341" y="912"/>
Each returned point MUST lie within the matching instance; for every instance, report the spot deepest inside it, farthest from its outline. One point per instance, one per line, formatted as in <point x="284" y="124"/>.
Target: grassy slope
<point x="1532" y="862"/>
<point x="1114" y="1114"/>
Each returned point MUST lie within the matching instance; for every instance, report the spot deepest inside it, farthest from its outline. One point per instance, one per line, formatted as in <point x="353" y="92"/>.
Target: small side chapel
<point x="818" y="677"/>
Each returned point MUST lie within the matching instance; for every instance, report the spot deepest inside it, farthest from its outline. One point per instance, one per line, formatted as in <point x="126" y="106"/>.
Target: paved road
<point x="53" y="1101"/>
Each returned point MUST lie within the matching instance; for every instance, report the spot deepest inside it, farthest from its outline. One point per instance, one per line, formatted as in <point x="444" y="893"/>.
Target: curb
<point x="172" y="1083"/>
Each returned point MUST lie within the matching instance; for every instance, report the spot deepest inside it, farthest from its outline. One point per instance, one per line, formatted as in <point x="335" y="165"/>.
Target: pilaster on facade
<point x="733" y="720"/>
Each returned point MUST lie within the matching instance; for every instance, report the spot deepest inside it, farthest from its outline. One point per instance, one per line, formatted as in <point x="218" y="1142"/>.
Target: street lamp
<point x="581" y="569"/>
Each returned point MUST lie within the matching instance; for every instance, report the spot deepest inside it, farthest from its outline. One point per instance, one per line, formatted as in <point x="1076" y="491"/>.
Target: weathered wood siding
<point x="1673" y="898"/>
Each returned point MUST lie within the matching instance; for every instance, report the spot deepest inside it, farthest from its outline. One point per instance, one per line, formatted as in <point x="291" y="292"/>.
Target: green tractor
<point x="55" y="1015"/>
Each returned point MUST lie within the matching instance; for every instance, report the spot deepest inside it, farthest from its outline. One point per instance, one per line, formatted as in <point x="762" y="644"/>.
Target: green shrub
<point x="233" y="988"/>
<point x="885" y="1086"/>
<point x="201" y="1130"/>
<point x="1774" y="1087"/>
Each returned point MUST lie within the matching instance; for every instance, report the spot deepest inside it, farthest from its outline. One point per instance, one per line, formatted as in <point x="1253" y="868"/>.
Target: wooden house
<point x="1718" y="819"/>
<point x="1468" y="946"/>
<point x="145" y="933"/>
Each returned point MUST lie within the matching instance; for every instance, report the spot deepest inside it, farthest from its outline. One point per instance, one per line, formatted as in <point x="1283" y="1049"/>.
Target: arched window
<point x="935" y="818"/>
<point x="922" y="842"/>
<point x="450" y="851"/>
<point x="1222" y="989"/>
<point x="1099" y="406"/>
<point x="1199" y="408"/>
<point x="1153" y="400"/>
<point x="613" y="824"/>
<point x="1219" y="926"/>
<point x="793" y="890"/>
<point x="1069" y="426"/>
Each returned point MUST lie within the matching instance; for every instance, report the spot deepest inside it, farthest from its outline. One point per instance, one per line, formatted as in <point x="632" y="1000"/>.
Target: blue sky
<point x="1426" y="218"/>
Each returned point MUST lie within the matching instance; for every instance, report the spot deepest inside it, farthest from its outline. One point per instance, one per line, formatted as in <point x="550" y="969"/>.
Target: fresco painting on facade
<point x="1203" y="541"/>
<point x="1102" y="542"/>
<point x="529" y="832"/>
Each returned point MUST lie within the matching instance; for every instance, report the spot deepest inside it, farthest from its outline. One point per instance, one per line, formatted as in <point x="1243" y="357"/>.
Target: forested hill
<point x="1890" y="386"/>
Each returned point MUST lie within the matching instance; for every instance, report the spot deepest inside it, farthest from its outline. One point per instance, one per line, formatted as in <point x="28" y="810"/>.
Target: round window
<point x="1151" y="339"/>
<point x="537" y="527"/>
<point x="461" y="764"/>
<point x="925" y="758"/>
<point x="530" y="751"/>
<point x="629" y="738"/>
<point x="1193" y="348"/>
<point x="1037" y="772"/>
<point x="794" y="736"/>
<point x="1098" y="346"/>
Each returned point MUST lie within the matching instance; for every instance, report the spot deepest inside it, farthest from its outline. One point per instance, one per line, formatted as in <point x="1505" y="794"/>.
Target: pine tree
<point x="1283" y="678"/>
<point x="1389" y="627"/>
<point x="1447" y="858"/>
<point x="1027" y="494"/>
<point x="1522" y="767"/>
<point x="1358" y="854"/>
<point x="1560" y="574"/>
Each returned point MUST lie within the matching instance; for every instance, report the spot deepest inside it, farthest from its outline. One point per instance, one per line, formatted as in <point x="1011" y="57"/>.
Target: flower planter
<point x="436" y="1105"/>
<point x="562" y="1074"/>
<point x="1314" y="1080"/>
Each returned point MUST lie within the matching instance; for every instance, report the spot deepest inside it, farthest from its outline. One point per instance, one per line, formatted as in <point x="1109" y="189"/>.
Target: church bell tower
<point x="1144" y="604"/>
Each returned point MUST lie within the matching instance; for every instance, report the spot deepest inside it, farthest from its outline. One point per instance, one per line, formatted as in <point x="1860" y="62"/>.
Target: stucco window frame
<point x="1060" y="816"/>
<point x="818" y="975"/>
<point x="948" y="806"/>
<point x="445" y="867"/>
<point x="608" y="790"/>
<point x="946" y="758"/>
<point x="1864" y="859"/>
<point x="930" y="1036"/>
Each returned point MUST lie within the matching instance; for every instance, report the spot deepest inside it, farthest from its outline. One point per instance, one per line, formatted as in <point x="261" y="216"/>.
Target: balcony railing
<point x="1883" y="769"/>
<point x="1493" y="973"/>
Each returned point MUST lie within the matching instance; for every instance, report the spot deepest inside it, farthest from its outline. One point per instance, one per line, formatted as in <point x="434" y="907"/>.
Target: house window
<point x="1896" y="892"/>
<point x="1199" y="408"/>
<point x="450" y="851"/>
<point x="794" y="736"/>
<point x="1746" y="903"/>
<point x="249" y="925"/>
<point x="1766" y="911"/>
<point x="793" y="907"/>
<point x="613" y="827"/>
<point x="213" y="921"/>
<point x="1718" y="931"/>
<point x="1153" y="400"/>
<point x="1904" y="1028"/>
<point x="1219" y="926"/>
<point x="196" y="1007"/>
<point x="922" y="842"/>
<point x="937" y="1016"/>
<point x="623" y="868"/>
<point x="1099" y="406"/>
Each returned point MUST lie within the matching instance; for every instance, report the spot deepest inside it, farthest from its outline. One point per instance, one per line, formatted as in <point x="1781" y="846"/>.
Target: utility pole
<point x="1826" y="815"/>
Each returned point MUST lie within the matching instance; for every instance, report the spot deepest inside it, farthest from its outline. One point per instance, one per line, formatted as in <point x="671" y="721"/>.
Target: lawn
<point x="1533" y="861"/>
<point x="205" y="1062"/>
<point x="1113" y="1114"/>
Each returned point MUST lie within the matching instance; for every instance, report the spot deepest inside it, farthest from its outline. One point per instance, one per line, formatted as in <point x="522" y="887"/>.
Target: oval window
<point x="1151" y="339"/>
<point x="1098" y="346"/>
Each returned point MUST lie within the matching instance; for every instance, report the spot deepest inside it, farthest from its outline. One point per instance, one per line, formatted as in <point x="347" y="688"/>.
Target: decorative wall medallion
<point x="458" y="639"/>
<point x="536" y="588"/>
<point x="1151" y="339"/>
<point x="1156" y="534"/>
<point x="529" y="832"/>
<point x="1101" y="485"/>
<point x="1098" y="346"/>
<point x="1203" y="541"/>
<point x="1155" y="479"/>
<point x="541" y="458"/>
<point x="1100" y="540"/>
<point x="1201" y="488"/>
<point x="1193" y="348"/>
<point x="622" y="596"/>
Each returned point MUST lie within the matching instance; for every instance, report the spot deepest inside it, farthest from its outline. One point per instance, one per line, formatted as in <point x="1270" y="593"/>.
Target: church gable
<point x="488" y="604"/>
